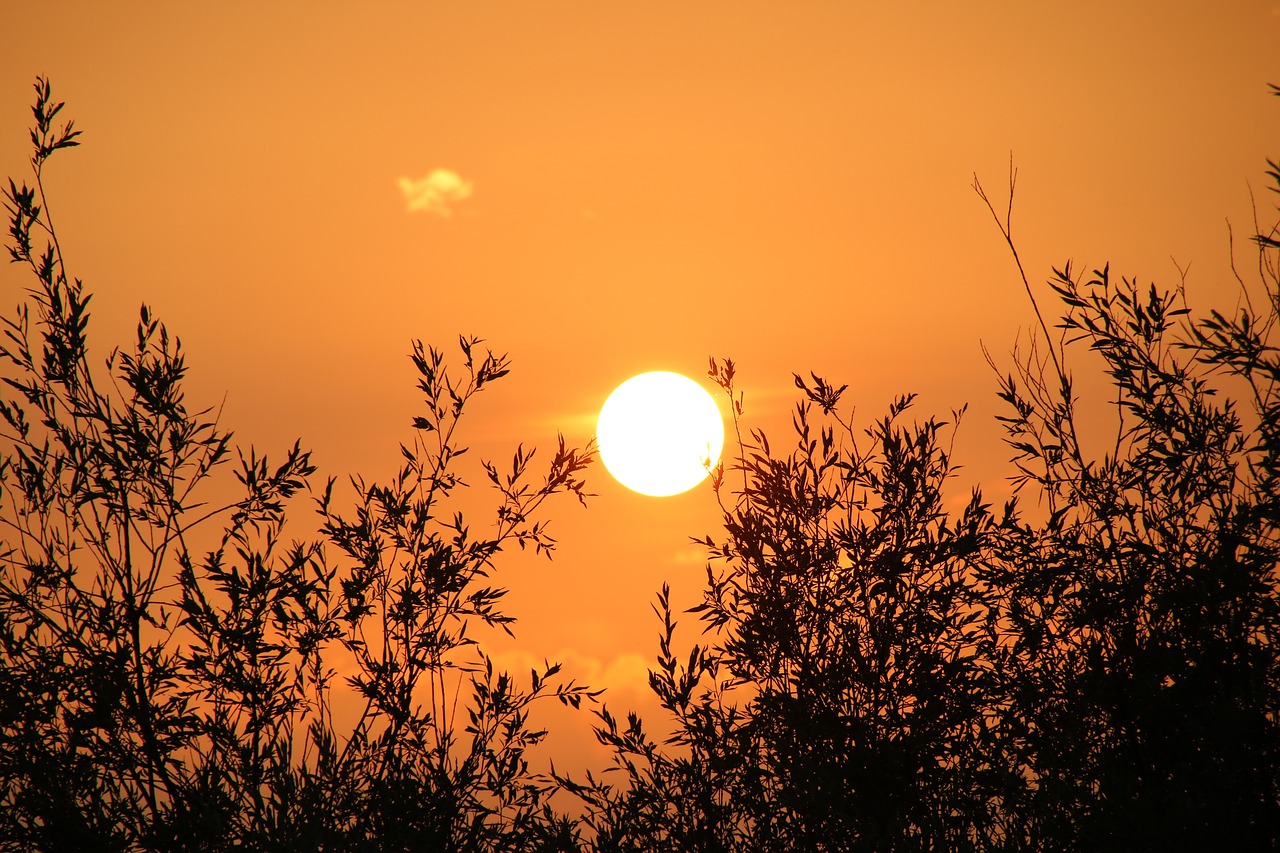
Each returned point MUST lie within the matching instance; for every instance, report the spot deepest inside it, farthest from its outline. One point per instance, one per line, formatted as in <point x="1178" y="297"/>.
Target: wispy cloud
<point x="624" y="672"/>
<point x="436" y="194"/>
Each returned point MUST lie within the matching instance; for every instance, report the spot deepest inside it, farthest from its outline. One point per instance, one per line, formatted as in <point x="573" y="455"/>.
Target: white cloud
<point x="436" y="193"/>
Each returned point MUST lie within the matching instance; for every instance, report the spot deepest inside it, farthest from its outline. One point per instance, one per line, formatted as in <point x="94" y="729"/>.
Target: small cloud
<point x="436" y="193"/>
<point x="690" y="557"/>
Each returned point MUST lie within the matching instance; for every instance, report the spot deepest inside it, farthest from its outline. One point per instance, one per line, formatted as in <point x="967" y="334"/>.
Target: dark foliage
<point x="1141" y="615"/>
<point x="156" y="696"/>
<point x="885" y="669"/>
<point x="848" y="700"/>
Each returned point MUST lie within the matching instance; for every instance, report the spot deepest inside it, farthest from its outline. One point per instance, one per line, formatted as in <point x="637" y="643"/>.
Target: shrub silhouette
<point x="154" y="697"/>
<point x="847" y="700"/>
<point x="1092" y="666"/>
<point x="1097" y="673"/>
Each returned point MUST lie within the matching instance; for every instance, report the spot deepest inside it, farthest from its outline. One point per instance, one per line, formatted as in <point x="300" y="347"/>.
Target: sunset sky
<point x="601" y="189"/>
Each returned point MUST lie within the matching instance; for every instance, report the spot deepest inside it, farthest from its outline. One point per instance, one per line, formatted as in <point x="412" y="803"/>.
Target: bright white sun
<point x="660" y="433"/>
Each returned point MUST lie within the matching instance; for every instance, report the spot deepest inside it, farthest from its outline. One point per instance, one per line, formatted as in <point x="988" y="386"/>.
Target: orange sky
<point x="650" y="184"/>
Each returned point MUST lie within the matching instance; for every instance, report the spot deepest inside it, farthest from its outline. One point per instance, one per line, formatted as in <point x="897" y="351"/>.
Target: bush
<point x="848" y="699"/>
<point x="1098" y="673"/>
<point x="1092" y="666"/>
<point x="157" y="698"/>
<point x="1142" y="615"/>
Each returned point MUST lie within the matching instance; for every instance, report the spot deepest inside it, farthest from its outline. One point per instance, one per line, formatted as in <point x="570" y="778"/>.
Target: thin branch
<point x="1006" y="230"/>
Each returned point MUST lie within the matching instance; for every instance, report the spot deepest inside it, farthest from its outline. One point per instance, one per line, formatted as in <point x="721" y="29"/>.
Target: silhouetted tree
<point x="1092" y="666"/>
<point x="846" y="700"/>
<point x="156" y="697"/>
<point x="1142" y="615"/>
<point x="1099" y="672"/>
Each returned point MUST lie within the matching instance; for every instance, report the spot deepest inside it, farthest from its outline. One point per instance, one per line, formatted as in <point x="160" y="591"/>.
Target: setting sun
<point x="660" y="433"/>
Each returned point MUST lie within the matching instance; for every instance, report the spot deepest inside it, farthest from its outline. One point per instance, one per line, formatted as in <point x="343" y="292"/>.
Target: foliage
<point x="156" y="697"/>
<point x="883" y="667"/>
<point x="883" y="672"/>
<point x="1144" y="613"/>
<point x="847" y="699"/>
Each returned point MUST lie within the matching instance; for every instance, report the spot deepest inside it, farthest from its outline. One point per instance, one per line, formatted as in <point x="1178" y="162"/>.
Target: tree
<point x="1099" y="672"/>
<point x="1092" y="666"/>
<point x="846" y="700"/>
<point x="1143" y="614"/>
<point x="153" y="697"/>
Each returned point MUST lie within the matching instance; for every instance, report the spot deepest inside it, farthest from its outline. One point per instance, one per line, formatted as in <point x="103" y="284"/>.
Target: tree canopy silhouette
<point x="882" y="666"/>
<point x="880" y="671"/>
<point x="154" y="696"/>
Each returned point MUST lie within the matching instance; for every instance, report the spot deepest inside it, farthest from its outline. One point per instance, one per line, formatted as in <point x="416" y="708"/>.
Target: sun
<point x="660" y="433"/>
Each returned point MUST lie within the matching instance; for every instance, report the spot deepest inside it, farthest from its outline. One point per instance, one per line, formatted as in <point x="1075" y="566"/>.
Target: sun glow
<point x="660" y="433"/>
